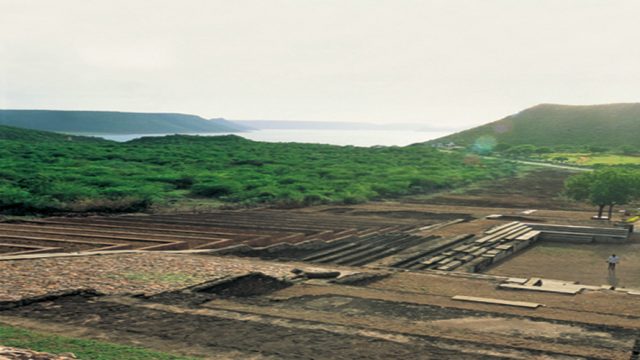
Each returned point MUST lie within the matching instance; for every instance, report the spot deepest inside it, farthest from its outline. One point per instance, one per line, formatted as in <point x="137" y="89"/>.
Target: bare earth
<point x="216" y="306"/>
<point x="585" y="263"/>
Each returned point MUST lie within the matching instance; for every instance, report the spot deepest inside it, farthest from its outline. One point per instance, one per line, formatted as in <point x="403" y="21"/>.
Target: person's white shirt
<point x="613" y="259"/>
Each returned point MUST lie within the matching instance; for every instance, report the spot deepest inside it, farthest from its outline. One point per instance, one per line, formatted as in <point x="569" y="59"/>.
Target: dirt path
<point x="585" y="263"/>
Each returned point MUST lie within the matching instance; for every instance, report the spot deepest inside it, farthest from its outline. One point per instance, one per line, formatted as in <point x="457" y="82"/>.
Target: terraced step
<point x="411" y="256"/>
<point x="369" y="259"/>
<point x="330" y="252"/>
<point x="57" y="235"/>
<point x="338" y="255"/>
<point x="98" y="231"/>
<point x="367" y="251"/>
<point x="501" y="227"/>
<point x="72" y="245"/>
<point x="388" y="248"/>
<point x="450" y="266"/>
<point x="528" y="235"/>
<point x="496" y="236"/>
<point x="267" y="231"/>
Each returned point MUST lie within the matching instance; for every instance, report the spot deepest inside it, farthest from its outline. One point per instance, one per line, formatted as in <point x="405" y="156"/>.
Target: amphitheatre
<point x="505" y="270"/>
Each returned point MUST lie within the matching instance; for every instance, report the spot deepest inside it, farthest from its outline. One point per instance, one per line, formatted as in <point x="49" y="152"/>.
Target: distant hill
<point x="112" y="122"/>
<point x="323" y="125"/>
<point x="14" y="133"/>
<point x="609" y="125"/>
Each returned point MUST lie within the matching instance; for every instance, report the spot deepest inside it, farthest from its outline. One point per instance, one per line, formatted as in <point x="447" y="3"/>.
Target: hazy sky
<point x="442" y="63"/>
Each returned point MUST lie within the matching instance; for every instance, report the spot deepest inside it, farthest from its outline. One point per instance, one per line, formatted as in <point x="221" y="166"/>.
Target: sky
<point x="444" y="64"/>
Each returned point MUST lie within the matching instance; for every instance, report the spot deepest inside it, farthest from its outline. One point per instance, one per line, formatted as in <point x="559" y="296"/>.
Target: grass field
<point x="81" y="348"/>
<point x="589" y="159"/>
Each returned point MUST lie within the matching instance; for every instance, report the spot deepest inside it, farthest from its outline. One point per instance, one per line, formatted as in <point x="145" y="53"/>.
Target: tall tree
<point x="608" y="187"/>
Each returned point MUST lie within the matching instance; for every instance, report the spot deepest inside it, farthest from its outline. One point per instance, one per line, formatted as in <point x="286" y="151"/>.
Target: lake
<point x="333" y="137"/>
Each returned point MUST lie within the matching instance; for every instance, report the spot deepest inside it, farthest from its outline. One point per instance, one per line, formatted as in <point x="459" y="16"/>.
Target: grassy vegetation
<point x="612" y="126"/>
<point x="82" y="348"/>
<point x="591" y="159"/>
<point x="55" y="174"/>
<point x="586" y="155"/>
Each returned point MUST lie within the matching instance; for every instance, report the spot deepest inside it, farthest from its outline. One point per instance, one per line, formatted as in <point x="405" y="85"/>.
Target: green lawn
<point x="82" y="348"/>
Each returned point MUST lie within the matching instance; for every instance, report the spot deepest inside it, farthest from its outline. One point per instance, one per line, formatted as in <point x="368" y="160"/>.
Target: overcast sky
<point x="443" y="63"/>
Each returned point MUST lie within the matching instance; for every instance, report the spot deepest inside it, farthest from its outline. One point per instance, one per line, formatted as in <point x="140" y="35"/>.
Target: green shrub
<point x="184" y="182"/>
<point x="214" y="189"/>
<point x="112" y="177"/>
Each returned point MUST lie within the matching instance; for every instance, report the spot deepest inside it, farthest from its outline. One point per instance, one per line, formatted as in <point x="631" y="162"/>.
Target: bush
<point x="14" y="199"/>
<point x="105" y="205"/>
<point x="351" y="199"/>
<point x="214" y="189"/>
<point x="184" y="182"/>
<point x="68" y="192"/>
<point x="91" y="176"/>
<point x="314" y="199"/>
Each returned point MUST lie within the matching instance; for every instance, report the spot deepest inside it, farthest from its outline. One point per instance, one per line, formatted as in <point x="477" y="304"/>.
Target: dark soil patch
<point x="82" y="293"/>
<point x="413" y="312"/>
<point x="251" y="284"/>
<point x="122" y="321"/>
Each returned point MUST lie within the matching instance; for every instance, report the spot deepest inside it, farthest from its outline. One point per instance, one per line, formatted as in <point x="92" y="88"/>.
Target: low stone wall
<point x="580" y="234"/>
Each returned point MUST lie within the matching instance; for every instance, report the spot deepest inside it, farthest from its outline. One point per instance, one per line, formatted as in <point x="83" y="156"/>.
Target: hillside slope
<point x="14" y="133"/>
<point x="609" y="125"/>
<point x="325" y="125"/>
<point x="111" y="122"/>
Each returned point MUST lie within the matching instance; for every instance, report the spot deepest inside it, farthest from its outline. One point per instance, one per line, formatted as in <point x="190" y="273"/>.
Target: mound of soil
<point x="251" y="284"/>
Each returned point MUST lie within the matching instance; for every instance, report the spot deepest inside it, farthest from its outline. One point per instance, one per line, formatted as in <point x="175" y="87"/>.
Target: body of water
<point x="333" y="137"/>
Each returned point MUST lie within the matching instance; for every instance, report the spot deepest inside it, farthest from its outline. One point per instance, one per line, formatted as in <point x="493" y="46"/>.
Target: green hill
<point x="111" y="122"/>
<point x="14" y="133"/>
<point x="609" y="125"/>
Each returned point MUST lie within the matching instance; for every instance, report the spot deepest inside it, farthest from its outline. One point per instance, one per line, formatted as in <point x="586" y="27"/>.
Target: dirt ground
<point x="540" y="188"/>
<point x="165" y="301"/>
<point x="406" y="315"/>
<point x="585" y="263"/>
<point x="129" y="273"/>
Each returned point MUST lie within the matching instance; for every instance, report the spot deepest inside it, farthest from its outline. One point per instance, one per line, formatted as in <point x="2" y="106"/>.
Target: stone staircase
<point x="469" y="253"/>
<point x="354" y="249"/>
<point x="401" y="247"/>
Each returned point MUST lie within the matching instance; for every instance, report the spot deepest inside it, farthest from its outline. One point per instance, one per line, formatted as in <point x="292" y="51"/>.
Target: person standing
<point x="613" y="260"/>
